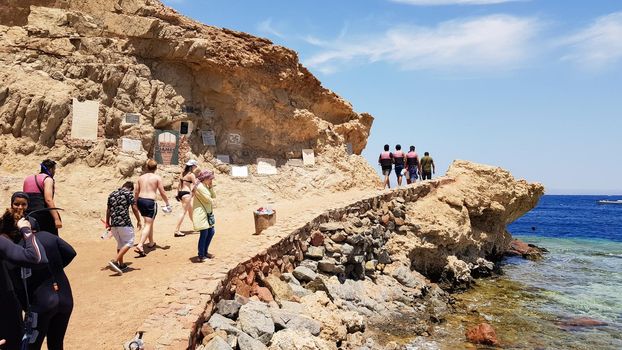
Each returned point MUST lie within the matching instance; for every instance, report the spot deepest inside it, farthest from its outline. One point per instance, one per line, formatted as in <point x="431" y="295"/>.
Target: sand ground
<point x="109" y="308"/>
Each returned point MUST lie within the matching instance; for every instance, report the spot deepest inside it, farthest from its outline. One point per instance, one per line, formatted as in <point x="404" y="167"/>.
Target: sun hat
<point x="192" y="162"/>
<point x="205" y="174"/>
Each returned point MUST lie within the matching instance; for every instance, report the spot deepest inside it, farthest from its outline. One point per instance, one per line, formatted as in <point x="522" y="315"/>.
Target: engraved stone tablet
<point x="84" y="120"/>
<point x="239" y="171"/>
<point x="295" y="162"/>
<point x="223" y="158"/>
<point x="266" y="166"/>
<point x="234" y="139"/>
<point x="132" y="118"/>
<point x="308" y="157"/>
<point x="209" y="138"/>
<point x="131" y="145"/>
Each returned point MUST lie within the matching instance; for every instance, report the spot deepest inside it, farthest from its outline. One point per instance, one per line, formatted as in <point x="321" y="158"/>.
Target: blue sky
<point x="532" y="86"/>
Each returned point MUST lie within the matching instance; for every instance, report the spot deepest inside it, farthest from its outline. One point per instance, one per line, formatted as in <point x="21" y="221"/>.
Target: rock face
<point x="138" y="56"/>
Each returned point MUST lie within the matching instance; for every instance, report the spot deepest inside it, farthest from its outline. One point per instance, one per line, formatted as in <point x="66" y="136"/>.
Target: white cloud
<point x="451" y="2"/>
<point x="599" y="45"/>
<point x="267" y="28"/>
<point x="491" y="42"/>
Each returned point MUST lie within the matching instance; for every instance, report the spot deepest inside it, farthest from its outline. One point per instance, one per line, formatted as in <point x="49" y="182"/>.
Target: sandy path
<point x="110" y="308"/>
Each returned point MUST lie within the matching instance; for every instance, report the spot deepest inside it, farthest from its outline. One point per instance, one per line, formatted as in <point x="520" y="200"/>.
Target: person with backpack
<point x="41" y="190"/>
<point x="386" y="164"/>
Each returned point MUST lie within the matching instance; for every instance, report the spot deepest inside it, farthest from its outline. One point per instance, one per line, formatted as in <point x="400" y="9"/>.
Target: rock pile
<point x="372" y="271"/>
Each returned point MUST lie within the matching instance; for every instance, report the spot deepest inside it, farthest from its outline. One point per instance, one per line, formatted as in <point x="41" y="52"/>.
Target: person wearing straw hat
<point x="202" y="212"/>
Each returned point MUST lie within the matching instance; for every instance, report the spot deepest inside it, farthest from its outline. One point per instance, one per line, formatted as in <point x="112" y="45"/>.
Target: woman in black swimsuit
<point x="184" y="193"/>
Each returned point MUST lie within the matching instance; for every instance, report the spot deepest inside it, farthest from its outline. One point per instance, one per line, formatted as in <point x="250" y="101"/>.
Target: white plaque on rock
<point x="209" y="138"/>
<point x="131" y="145"/>
<point x="239" y="171"/>
<point x="84" y="120"/>
<point x="266" y="166"/>
<point x="308" y="157"/>
<point x="223" y="158"/>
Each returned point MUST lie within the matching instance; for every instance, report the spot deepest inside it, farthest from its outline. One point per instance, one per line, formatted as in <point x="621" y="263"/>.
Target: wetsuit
<point x="33" y="186"/>
<point x="398" y="158"/>
<point x="31" y="252"/>
<point x="386" y="162"/>
<point x="49" y="292"/>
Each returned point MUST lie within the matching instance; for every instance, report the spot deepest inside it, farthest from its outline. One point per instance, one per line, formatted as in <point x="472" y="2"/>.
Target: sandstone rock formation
<point x="382" y="268"/>
<point x="138" y="56"/>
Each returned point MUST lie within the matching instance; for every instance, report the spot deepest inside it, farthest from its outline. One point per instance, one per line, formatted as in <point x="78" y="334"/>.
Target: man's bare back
<point x="149" y="185"/>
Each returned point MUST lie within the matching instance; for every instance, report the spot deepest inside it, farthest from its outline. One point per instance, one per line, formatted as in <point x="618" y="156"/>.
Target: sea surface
<point x="536" y="304"/>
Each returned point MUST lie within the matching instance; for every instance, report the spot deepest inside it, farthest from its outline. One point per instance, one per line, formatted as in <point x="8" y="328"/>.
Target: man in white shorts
<point x="119" y="222"/>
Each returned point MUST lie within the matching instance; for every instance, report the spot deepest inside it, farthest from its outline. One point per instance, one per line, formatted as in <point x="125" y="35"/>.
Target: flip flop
<point x="179" y="234"/>
<point x="140" y="252"/>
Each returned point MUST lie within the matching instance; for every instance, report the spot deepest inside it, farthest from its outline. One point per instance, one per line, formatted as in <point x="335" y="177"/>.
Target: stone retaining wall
<point x="191" y="300"/>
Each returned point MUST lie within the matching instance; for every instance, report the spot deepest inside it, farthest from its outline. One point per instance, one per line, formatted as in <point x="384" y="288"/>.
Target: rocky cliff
<point x="140" y="57"/>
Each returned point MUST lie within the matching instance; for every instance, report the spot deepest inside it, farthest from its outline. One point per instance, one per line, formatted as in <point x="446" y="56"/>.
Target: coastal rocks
<point x="304" y="274"/>
<point x="290" y="339"/>
<point x="254" y="320"/>
<point x="228" y="308"/>
<point x="457" y="274"/>
<point x="284" y="319"/>
<point x="525" y="250"/>
<point x="483" y="334"/>
<point x="580" y="322"/>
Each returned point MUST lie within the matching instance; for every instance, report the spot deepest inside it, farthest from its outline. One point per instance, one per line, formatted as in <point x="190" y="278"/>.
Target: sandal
<point x="179" y="234"/>
<point x="152" y="245"/>
<point x="140" y="252"/>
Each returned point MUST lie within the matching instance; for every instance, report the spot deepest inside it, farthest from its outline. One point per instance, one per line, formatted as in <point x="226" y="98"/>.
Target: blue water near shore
<point x="582" y="274"/>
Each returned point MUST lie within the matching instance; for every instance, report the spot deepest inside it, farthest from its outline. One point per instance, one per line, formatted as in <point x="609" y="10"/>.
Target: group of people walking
<point x="33" y="256"/>
<point x="195" y="192"/>
<point x="32" y="262"/>
<point x="405" y="164"/>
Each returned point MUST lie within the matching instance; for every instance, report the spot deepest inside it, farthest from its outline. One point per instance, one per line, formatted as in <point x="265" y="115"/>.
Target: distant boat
<point x="606" y="201"/>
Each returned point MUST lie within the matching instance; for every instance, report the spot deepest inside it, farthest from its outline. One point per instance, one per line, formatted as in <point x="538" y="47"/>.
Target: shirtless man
<point x="146" y="190"/>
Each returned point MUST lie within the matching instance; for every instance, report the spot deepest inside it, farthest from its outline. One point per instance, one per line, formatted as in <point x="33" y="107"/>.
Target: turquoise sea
<point x="541" y="304"/>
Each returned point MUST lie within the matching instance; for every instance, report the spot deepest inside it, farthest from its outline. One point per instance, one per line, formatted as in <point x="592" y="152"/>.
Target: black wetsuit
<point x="31" y="252"/>
<point x="53" y="305"/>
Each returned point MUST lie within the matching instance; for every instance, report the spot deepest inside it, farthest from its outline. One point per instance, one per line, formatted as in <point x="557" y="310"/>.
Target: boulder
<point x="287" y="319"/>
<point x="457" y="274"/>
<point x="246" y="342"/>
<point x="310" y="264"/>
<point x="298" y="290"/>
<point x="217" y="343"/>
<point x="315" y="252"/>
<point x="279" y="288"/>
<point x="525" y="250"/>
<point x="304" y="274"/>
<point x="217" y="321"/>
<point x="331" y="226"/>
<point x="483" y="333"/>
<point x="254" y="319"/>
<point x="228" y="308"/>
<point x="328" y="265"/>
<point x="298" y="339"/>
<point x="317" y="239"/>
<point x="263" y="293"/>
<point x="339" y="236"/>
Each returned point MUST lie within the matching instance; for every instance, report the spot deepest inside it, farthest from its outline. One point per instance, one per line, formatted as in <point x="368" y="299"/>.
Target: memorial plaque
<point x="84" y="120"/>
<point x="295" y="162"/>
<point x="223" y="158"/>
<point x="239" y="171"/>
<point x="132" y="118"/>
<point x="308" y="157"/>
<point x="209" y="138"/>
<point x="209" y="112"/>
<point x="167" y="147"/>
<point x="234" y="139"/>
<point x="349" y="149"/>
<point x="131" y="145"/>
<point x="266" y="166"/>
